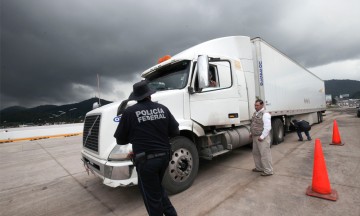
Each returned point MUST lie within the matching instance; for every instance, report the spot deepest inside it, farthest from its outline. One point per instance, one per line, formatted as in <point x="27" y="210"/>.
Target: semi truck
<point x="210" y="89"/>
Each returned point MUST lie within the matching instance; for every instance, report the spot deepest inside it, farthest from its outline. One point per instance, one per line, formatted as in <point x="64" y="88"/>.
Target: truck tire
<point x="271" y="137"/>
<point x="320" y="117"/>
<point x="183" y="166"/>
<point x="277" y="130"/>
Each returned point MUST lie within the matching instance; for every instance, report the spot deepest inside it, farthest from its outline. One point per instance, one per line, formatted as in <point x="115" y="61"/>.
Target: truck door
<point x="218" y="103"/>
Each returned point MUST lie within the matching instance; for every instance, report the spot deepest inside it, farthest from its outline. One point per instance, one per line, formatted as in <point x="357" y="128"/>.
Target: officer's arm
<point x="173" y="126"/>
<point x="122" y="132"/>
<point x="296" y="125"/>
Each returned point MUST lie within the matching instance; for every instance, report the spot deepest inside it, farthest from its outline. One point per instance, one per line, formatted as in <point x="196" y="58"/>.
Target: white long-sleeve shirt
<point x="267" y="123"/>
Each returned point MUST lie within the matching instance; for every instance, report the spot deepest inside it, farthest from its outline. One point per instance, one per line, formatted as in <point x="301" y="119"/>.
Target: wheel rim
<point x="180" y="165"/>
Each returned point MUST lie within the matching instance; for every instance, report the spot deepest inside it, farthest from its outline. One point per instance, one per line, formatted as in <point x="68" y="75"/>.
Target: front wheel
<point x="183" y="166"/>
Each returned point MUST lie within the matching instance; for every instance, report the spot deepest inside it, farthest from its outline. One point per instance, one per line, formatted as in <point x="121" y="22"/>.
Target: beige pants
<point x="262" y="154"/>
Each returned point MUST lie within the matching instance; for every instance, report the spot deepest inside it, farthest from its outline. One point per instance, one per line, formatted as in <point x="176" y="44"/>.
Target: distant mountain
<point x="70" y="113"/>
<point x="356" y="95"/>
<point x="76" y="112"/>
<point x="338" y="87"/>
<point x="13" y="109"/>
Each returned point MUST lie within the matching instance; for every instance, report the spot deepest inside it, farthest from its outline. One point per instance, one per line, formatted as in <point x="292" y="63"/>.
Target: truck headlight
<point x="121" y="152"/>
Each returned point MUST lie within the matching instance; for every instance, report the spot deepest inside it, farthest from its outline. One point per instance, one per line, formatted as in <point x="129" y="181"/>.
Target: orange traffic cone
<point x="336" y="139"/>
<point x="320" y="182"/>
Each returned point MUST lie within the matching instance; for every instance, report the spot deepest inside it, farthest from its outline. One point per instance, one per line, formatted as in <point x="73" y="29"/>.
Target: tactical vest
<point x="257" y="124"/>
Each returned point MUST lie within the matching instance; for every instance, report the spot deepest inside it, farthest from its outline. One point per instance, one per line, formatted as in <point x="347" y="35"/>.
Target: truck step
<point x="215" y="133"/>
<point x="211" y="156"/>
<point x="220" y="152"/>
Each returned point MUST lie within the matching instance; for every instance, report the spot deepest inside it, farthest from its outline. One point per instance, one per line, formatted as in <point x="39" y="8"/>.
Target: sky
<point x="52" y="51"/>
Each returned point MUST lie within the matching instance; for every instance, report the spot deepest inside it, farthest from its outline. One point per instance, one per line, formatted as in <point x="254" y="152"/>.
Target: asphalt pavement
<point x="46" y="177"/>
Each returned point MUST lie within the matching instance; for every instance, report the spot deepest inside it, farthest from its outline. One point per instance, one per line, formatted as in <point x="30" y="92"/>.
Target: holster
<point x="139" y="158"/>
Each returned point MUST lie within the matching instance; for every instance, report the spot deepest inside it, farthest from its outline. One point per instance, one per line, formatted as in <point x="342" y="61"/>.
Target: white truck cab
<point x="210" y="89"/>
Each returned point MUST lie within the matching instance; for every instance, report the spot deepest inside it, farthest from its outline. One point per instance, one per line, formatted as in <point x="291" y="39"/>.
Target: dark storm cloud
<point x="51" y="51"/>
<point x="48" y="45"/>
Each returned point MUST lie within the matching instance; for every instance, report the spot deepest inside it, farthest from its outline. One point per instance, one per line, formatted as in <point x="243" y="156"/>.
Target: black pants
<point x="150" y="175"/>
<point x="306" y="133"/>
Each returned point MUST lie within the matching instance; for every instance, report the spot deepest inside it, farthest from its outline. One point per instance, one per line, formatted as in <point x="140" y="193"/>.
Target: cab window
<point x="219" y="76"/>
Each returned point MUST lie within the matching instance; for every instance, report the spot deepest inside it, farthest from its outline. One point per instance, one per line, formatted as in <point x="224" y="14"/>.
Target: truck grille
<point x="91" y="132"/>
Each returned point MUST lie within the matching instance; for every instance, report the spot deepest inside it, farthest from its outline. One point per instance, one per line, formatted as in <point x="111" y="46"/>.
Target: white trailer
<point x="213" y="119"/>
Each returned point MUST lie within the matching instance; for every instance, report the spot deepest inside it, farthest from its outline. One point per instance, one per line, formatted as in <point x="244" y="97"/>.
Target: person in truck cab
<point x="148" y="127"/>
<point x="212" y="79"/>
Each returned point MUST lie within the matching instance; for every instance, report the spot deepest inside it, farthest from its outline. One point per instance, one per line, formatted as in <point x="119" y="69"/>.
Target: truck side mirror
<point x="203" y="71"/>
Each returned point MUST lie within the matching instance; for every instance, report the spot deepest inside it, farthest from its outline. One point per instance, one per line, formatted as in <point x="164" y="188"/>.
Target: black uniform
<point x="302" y="126"/>
<point x="148" y="126"/>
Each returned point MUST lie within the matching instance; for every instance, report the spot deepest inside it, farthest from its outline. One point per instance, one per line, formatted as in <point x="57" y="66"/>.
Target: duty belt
<point x="155" y="155"/>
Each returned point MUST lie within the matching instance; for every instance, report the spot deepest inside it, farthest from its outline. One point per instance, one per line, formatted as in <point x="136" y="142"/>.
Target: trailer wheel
<point x="183" y="166"/>
<point x="271" y="137"/>
<point x="278" y="131"/>
<point x="320" y="117"/>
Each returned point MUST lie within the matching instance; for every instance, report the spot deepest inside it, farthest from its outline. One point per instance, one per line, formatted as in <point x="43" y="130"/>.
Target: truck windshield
<point x="172" y="76"/>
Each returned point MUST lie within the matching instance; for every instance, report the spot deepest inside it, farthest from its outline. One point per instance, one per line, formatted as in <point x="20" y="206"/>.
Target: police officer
<point x="302" y="126"/>
<point x="148" y="126"/>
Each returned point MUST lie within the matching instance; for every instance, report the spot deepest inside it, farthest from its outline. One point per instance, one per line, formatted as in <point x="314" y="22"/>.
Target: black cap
<point x="141" y="90"/>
